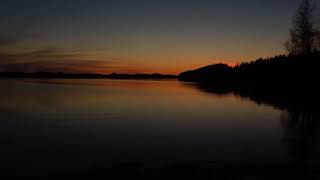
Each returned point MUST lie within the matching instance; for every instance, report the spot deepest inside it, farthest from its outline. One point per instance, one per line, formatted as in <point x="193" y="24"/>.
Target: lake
<point x="66" y="126"/>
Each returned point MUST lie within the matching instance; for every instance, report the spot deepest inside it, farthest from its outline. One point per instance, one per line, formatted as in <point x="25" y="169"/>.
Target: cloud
<point x="37" y="66"/>
<point x="52" y="60"/>
<point x="59" y="60"/>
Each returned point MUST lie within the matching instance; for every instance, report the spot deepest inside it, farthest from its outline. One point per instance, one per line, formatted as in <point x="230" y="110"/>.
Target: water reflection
<point x="300" y="120"/>
<point x="70" y="126"/>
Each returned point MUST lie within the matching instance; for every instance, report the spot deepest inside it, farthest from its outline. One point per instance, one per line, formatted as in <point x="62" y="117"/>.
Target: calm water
<point x="57" y="126"/>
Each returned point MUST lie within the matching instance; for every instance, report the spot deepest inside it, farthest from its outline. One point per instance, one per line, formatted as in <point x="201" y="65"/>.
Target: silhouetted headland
<point x="286" y="74"/>
<point x="60" y="75"/>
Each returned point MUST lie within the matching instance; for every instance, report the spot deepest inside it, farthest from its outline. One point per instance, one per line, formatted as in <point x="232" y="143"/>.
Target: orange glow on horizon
<point x="55" y="60"/>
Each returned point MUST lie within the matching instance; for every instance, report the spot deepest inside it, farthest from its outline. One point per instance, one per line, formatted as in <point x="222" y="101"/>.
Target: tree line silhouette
<point x="298" y="70"/>
<point x="286" y="71"/>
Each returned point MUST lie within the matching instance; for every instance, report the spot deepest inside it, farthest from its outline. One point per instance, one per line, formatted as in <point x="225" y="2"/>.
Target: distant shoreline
<point x="50" y="75"/>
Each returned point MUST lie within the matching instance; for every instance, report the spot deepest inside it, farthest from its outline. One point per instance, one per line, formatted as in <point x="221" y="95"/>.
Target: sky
<point x="139" y="36"/>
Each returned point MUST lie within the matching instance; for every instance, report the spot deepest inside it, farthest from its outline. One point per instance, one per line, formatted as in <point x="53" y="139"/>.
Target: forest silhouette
<point x="281" y="73"/>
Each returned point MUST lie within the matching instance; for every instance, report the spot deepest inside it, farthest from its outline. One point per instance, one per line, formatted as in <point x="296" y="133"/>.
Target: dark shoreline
<point x="283" y="74"/>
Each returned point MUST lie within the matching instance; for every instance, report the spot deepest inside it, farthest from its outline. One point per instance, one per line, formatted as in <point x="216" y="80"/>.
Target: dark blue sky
<point x="145" y="35"/>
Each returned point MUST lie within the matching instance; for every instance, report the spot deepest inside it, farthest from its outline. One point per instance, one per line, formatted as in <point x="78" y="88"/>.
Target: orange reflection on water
<point x="165" y="100"/>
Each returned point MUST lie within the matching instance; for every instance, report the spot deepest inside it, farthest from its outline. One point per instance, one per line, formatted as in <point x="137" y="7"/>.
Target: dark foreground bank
<point x="200" y="170"/>
<point x="193" y="170"/>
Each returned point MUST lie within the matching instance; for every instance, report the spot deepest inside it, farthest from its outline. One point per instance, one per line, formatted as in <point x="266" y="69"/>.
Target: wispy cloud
<point x="59" y="60"/>
<point x="50" y="59"/>
<point x="53" y="59"/>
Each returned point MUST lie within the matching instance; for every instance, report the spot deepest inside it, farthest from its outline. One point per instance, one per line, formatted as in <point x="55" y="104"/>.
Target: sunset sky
<point x="139" y="36"/>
